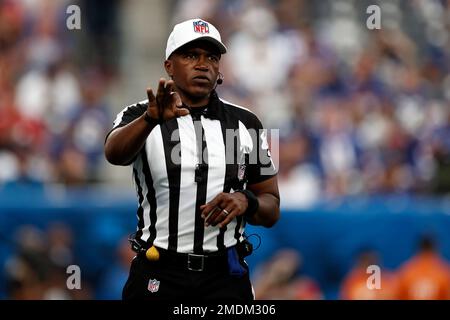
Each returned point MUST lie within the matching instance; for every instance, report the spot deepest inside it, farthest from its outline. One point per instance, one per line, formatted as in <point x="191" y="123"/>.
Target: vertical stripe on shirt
<point x="173" y="174"/>
<point x="151" y="199"/>
<point x="158" y="171"/>
<point x="202" y="185"/>
<point x="140" y="209"/>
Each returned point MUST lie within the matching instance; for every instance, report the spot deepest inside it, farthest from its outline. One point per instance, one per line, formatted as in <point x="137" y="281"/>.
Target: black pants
<point x="154" y="280"/>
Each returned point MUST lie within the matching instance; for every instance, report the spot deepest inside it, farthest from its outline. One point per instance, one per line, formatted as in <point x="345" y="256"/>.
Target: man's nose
<point x="202" y="63"/>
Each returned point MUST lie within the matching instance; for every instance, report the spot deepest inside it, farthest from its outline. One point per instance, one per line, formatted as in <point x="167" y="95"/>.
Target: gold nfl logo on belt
<point x="153" y="285"/>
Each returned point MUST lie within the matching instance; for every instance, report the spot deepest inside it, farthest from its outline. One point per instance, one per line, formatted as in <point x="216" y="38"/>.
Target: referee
<point x="202" y="170"/>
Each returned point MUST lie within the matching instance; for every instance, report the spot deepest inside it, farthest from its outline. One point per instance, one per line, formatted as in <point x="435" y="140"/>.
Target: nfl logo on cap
<point x="201" y="27"/>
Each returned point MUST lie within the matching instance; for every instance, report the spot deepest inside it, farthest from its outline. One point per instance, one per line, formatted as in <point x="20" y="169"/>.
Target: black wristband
<point x="150" y="120"/>
<point x="253" y="203"/>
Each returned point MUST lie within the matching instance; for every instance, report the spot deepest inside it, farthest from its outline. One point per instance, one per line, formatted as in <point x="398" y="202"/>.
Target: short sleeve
<point x="128" y="114"/>
<point x="263" y="168"/>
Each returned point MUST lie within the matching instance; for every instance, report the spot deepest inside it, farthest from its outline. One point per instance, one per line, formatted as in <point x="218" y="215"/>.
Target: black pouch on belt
<point x="244" y="248"/>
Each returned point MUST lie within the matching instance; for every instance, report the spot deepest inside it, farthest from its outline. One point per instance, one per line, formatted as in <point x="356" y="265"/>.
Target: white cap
<point x="191" y="30"/>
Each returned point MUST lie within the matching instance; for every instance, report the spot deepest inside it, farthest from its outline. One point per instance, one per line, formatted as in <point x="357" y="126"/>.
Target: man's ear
<point x="169" y="68"/>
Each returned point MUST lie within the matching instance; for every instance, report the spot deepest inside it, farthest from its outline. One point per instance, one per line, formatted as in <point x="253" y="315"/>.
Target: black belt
<point x="191" y="261"/>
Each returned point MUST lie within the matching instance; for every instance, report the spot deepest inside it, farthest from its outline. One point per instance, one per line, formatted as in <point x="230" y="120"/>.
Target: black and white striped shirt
<point x="164" y="173"/>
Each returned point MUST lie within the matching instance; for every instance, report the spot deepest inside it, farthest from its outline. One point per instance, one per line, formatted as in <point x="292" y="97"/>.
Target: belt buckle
<point x="195" y="256"/>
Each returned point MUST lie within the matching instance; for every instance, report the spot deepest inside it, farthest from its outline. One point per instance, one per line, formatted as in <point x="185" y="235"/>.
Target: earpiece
<point x="220" y="79"/>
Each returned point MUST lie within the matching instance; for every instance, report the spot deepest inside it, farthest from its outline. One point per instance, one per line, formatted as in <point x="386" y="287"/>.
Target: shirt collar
<point x="213" y="108"/>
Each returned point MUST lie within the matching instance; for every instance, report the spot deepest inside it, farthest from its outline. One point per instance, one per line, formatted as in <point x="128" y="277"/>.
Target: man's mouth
<point x="201" y="79"/>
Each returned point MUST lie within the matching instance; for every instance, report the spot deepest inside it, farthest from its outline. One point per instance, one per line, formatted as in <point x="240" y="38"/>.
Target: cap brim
<point x="219" y="45"/>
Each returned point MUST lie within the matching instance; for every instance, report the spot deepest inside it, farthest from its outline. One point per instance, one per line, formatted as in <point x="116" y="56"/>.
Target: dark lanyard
<point x="201" y="167"/>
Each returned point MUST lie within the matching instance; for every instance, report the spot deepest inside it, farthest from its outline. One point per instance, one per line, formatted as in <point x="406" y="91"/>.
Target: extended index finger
<point x="161" y="85"/>
<point x="150" y="96"/>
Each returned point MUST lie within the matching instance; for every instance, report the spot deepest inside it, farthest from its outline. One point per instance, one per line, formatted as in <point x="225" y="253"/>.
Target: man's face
<point x="194" y="68"/>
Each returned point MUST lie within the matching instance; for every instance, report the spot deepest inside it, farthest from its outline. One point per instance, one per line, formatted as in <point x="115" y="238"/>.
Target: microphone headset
<point x="220" y="79"/>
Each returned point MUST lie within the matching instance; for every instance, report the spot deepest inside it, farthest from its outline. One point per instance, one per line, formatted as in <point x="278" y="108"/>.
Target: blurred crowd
<point x="44" y="266"/>
<point x="423" y="276"/>
<point x="37" y="269"/>
<point x="53" y="85"/>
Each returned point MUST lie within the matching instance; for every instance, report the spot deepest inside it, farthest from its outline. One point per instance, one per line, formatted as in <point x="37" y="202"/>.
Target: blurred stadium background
<point x="364" y="150"/>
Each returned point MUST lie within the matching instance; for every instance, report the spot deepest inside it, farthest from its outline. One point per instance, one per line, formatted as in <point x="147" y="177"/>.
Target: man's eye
<point x="214" y="58"/>
<point x="191" y="56"/>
